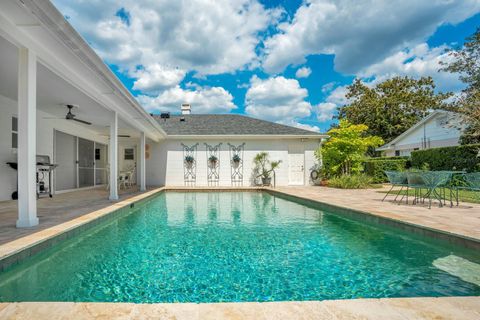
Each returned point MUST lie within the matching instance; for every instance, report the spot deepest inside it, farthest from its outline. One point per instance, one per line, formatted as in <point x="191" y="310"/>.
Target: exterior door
<point x="86" y="163"/>
<point x="101" y="152"/>
<point x="66" y="158"/>
<point x="81" y="163"/>
<point x="296" y="165"/>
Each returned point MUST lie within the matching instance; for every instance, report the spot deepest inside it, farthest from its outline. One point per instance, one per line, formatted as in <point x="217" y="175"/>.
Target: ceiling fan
<point x="71" y="116"/>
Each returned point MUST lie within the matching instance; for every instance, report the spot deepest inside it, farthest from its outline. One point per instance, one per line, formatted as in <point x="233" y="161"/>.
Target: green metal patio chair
<point x="456" y="179"/>
<point x="415" y="182"/>
<point x="471" y="182"/>
<point x="435" y="180"/>
<point x="396" y="179"/>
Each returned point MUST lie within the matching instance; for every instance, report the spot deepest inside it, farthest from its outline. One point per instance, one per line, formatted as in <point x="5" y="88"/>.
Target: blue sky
<point x="287" y="61"/>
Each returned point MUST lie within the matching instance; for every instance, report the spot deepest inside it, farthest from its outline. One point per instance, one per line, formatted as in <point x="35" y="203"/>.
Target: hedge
<point x="389" y="158"/>
<point x="375" y="167"/>
<point x="464" y="157"/>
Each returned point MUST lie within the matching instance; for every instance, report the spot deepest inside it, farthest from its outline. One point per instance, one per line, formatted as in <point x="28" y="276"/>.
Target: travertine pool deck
<point x="54" y="211"/>
<point x="463" y="220"/>
<point x="67" y="212"/>
<point x="455" y="308"/>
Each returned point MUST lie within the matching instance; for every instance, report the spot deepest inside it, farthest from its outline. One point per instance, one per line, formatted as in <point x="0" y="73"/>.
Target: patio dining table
<point x="435" y="183"/>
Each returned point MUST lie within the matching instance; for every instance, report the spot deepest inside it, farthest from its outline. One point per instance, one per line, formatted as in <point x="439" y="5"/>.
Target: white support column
<point x="142" y="162"/>
<point x="113" y="149"/>
<point x="27" y="123"/>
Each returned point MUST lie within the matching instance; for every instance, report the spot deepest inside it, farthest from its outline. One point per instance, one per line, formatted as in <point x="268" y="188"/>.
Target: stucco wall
<point x="166" y="166"/>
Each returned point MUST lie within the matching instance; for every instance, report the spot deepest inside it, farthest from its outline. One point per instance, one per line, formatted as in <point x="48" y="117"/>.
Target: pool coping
<point x="13" y="252"/>
<point x="384" y="308"/>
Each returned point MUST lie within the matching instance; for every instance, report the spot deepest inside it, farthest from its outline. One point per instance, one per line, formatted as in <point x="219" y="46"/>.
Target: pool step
<point x="464" y="269"/>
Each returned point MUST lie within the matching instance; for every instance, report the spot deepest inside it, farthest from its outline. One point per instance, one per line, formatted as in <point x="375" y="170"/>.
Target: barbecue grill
<point x="44" y="176"/>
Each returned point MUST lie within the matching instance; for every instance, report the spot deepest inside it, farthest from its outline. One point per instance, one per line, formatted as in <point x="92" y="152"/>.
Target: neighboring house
<point x="45" y="65"/>
<point x="439" y="129"/>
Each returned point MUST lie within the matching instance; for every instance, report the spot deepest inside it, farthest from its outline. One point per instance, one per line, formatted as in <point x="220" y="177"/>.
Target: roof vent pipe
<point x="186" y="108"/>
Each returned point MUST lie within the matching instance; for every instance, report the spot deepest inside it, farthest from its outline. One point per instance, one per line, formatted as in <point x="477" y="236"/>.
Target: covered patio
<point x="46" y="66"/>
<point x="61" y="208"/>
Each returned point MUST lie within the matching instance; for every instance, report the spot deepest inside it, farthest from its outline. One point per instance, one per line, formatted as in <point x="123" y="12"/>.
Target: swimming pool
<point x="238" y="246"/>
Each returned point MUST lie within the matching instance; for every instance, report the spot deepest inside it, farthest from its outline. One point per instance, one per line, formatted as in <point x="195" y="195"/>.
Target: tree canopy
<point x="391" y="107"/>
<point x="466" y="62"/>
<point x="345" y="150"/>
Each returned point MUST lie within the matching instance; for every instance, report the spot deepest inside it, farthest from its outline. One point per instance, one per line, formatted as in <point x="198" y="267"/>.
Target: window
<point x="129" y="154"/>
<point x="97" y="154"/>
<point x="397" y="153"/>
<point x="14" y="132"/>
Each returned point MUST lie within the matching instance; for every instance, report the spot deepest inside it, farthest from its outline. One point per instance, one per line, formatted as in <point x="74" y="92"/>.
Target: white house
<point x="225" y="136"/>
<point x="439" y="129"/>
<point x="59" y="99"/>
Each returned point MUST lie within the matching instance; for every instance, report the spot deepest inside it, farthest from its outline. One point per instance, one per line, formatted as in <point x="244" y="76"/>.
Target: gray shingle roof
<point x="225" y="124"/>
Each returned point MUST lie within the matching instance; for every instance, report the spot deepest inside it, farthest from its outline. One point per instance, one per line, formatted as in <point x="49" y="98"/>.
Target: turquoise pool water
<point x="235" y="246"/>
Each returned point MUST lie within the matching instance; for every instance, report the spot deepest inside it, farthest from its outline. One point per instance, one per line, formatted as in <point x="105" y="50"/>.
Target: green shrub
<point x="390" y="158"/>
<point x="375" y="167"/>
<point x="355" y="181"/>
<point x="448" y="158"/>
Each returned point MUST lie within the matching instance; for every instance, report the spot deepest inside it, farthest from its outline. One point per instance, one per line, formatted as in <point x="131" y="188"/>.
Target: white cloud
<point x="326" y="110"/>
<point x="337" y="95"/>
<point x="202" y="99"/>
<point x="161" y="41"/>
<point x="416" y="62"/>
<point x="209" y="37"/>
<point x="303" y="72"/>
<point x="300" y="125"/>
<point x="328" y="87"/>
<point x="359" y="33"/>
<point x="305" y="126"/>
<point x="155" y="78"/>
<point x="277" y="99"/>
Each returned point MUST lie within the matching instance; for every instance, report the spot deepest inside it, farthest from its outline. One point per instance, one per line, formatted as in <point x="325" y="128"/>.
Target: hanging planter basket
<point x="236" y="161"/>
<point x="212" y="161"/>
<point x="189" y="160"/>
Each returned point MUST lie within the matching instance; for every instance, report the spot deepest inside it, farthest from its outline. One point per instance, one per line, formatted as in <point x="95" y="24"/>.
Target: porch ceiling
<point x="53" y="93"/>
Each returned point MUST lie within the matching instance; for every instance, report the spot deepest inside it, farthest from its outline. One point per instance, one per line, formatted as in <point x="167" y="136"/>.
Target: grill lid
<point x="43" y="159"/>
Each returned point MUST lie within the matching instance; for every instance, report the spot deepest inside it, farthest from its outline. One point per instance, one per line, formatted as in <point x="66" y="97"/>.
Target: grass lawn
<point x="463" y="195"/>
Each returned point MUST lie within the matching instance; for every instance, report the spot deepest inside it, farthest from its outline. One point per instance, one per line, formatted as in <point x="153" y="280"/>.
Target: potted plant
<point x="212" y="160"/>
<point x="264" y="167"/>
<point x="189" y="161"/>
<point x="236" y="160"/>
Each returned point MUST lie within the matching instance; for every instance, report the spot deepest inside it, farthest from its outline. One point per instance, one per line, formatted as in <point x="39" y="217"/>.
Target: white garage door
<point x="296" y="165"/>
